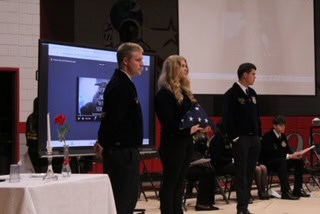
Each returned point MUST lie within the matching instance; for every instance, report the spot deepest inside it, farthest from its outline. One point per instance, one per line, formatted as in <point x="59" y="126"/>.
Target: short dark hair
<point x="245" y="68"/>
<point x="279" y="120"/>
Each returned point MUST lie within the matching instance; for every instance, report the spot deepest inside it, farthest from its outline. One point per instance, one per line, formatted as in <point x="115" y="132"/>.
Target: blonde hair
<point x="170" y="78"/>
<point x="126" y="50"/>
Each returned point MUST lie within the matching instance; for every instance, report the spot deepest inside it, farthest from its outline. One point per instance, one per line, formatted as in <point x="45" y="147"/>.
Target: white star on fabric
<point x="196" y="115"/>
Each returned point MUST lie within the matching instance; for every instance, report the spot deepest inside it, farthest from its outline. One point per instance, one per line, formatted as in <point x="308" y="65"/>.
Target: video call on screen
<point x="76" y="80"/>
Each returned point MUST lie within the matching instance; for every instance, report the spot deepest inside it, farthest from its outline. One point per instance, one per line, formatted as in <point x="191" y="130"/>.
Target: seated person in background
<point x="221" y="154"/>
<point x="204" y="174"/>
<point x="278" y="157"/>
<point x="220" y="149"/>
<point x="260" y="178"/>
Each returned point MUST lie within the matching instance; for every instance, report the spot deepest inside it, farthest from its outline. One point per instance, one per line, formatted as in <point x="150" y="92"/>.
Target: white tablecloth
<point x="78" y="194"/>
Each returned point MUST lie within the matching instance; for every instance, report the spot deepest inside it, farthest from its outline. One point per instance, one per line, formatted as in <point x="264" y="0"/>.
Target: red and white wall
<point x="19" y="34"/>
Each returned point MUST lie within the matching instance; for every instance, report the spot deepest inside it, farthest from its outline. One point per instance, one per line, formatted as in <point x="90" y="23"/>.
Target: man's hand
<point x="98" y="150"/>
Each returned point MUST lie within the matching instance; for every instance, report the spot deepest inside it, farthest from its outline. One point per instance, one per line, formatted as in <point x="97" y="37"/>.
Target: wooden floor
<point x="273" y="206"/>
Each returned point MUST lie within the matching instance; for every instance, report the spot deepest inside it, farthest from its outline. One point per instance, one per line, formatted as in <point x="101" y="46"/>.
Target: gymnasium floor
<point x="273" y="206"/>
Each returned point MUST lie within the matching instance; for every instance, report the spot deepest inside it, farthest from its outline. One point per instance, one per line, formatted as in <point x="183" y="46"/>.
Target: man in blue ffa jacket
<point x="278" y="157"/>
<point x="121" y="129"/>
<point x="243" y="126"/>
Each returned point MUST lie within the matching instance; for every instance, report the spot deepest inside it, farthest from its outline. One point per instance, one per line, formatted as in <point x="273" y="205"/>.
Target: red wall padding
<point x="298" y="130"/>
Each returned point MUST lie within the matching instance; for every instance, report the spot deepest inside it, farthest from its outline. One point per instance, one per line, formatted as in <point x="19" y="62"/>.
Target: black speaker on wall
<point x="8" y="118"/>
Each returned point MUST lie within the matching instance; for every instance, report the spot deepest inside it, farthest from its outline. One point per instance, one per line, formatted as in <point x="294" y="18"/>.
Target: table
<point x="78" y="194"/>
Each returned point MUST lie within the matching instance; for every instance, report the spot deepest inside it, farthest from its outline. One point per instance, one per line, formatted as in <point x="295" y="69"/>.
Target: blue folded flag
<point x="196" y="115"/>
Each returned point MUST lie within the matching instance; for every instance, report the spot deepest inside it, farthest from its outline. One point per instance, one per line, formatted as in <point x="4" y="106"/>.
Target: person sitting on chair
<point x="221" y="154"/>
<point x="203" y="173"/>
<point x="260" y="178"/>
<point x="278" y="157"/>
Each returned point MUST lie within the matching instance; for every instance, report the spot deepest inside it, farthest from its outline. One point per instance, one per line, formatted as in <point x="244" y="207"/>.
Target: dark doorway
<point x="8" y="118"/>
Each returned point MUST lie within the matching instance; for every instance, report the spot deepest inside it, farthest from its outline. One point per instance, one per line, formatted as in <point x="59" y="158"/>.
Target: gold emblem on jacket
<point x="254" y="100"/>
<point x="242" y="101"/>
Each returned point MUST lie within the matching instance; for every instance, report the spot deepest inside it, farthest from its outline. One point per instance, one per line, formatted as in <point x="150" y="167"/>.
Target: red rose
<point x="63" y="128"/>
<point x="60" y="120"/>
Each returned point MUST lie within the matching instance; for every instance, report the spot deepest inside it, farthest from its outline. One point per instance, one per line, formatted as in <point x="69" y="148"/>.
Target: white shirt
<point x="244" y="88"/>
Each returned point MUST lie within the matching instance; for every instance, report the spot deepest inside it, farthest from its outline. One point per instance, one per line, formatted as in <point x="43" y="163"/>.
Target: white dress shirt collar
<point x="277" y="135"/>
<point x="242" y="87"/>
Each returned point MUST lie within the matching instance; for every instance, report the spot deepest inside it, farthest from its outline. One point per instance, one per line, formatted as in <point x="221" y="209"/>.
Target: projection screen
<point x="216" y="36"/>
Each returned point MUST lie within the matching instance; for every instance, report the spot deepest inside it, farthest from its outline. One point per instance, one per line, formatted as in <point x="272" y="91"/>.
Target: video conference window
<point x="72" y="80"/>
<point x="90" y="98"/>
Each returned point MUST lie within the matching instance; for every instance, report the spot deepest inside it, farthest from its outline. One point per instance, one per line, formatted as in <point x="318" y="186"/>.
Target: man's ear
<point x="125" y="61"/>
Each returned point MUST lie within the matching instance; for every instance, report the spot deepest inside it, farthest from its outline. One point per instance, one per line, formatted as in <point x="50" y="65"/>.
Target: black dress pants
<point x="175" y="157"/>
<point x="246" y="152"/>
<point x="281" y="166"/>
<point x="123" y="167"/>
<point x="207" y="183"/>
<point x="227" y="169"/>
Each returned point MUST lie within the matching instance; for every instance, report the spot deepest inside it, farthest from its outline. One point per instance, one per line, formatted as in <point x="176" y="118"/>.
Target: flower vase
<point x="50" y="174"/>
<point x="66" y="170"/>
